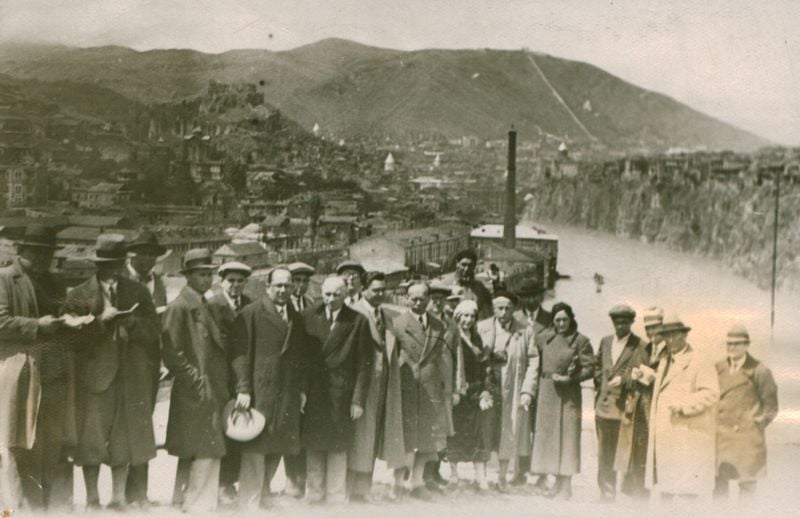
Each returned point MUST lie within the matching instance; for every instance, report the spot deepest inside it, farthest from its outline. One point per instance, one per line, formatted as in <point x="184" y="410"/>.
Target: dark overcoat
<point x="269" y="362"/>
<point x="748" y="404"/>
<point x="108" y="350"/>
<point x="608" y="402"/>
<point x="224" y="315"/>
<point x="379" y="432"/>
<point x="557" y="436"/>
<point x="195" y="354"/>
<point x="339" y="360"/>
<point x="425" y="384"/>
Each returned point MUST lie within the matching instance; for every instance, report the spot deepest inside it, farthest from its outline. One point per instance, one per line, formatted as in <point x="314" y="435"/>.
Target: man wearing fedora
<point x="37" y="428"/>
<point x="637" y="393"/>
<point x="531" y="313"/>
<point x="748" y="404"/>
<point x="195" y="354"/>
<point x="611" y="362"/>
<point x="113" y="371"/>
<point x="143" y="251"/>
<point x="268" y="349"/>
<point x="226" y="300"/>
<point x="681" y="447"/>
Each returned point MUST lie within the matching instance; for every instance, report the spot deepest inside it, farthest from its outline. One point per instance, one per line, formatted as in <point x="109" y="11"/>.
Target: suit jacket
<point x="123" y="347"/>
<point x="425" y="385"/>
<point x="609" y="403"/>
<point x="195" y="354"/>
<point x="269" y="362"/>
<point x="379" y="432"/>
<point x="159" y="294"/>
<point x="542" y="322"/>
<point x="681" y="447"/>
<point x="308" y="303"/>
<point x="339" y="365"/>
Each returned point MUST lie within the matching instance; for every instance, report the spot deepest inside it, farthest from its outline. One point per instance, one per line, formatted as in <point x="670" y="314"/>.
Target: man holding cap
<point x="637" y="393"/>
<point x="114" y="371"/>
<point x="225" y="301"/>
<point x="748" y="404"/>
<point x="352" y="271"/>
<point x="611" y="362"/>
<point x="195" y="353"/>
<point x="37" y="428"/>
<point x="681" y="447"/>
<point x="301" y="275"/>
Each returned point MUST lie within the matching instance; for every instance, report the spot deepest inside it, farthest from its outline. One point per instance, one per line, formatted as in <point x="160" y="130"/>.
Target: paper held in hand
<point x="76" y="321"/>
<point x="112" y="312"/>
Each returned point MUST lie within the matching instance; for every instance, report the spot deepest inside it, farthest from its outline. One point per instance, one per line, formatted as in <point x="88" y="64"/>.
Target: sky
<point x="738" y="60"/>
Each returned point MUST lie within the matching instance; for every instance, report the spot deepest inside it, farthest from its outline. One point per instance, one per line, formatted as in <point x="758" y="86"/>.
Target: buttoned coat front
<point x="425" y="383"/>
<point x="106" y="351"/>
<point x="518" y="376"/>
<point x="608" y="402"/>
<point x="195" y="354"/>
<point x="748" y="404"/>
<point x="269" y="361"/>
<point x="681" y="447"/>
<point x="339" y="360"/>
<point x="379" y="432"/>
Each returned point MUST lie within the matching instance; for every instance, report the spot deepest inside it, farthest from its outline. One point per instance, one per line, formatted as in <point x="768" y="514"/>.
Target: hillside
<point x="355" y="90"/>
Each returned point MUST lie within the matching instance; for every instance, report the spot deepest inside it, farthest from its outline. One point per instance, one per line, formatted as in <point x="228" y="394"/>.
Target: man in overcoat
<point x="748" y="404"/>
<point x="681" y="448"/>
<point x="352" y="271"/>
<point x="339" y="365"/>
<point x="637" y="393"/>
<point x="425" y="385"/>
<point x="143" y="252"/>
<point x="226" y="300"/>
<point x="195" y="354"/>
<point x="113" y="371"/>
<point x="379" y="432"/>
<point x="531" y="313"/>
<point x="611" y="362"/>
<point x="268" y="346"/>
<point x="37" y="386"/>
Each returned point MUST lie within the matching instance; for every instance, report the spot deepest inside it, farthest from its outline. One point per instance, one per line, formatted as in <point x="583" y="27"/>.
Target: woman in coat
<point x="513" y="376"/>
<point x="470" y="442"/>
<point x="566" y="359"/>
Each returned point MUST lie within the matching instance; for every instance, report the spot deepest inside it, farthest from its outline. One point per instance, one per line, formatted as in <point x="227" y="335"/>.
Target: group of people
<point x="269" y="374"/>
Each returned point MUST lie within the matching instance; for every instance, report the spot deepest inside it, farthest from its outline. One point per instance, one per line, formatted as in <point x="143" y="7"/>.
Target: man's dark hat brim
<point x="468" y="253"/>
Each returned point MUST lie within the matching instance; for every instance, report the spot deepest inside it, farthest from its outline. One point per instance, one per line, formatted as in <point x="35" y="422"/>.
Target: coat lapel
<point x="681" y="363"/>
<point x="24" y="286"/>
<point x="627" y="351"/>
<point x="432" y="336"/>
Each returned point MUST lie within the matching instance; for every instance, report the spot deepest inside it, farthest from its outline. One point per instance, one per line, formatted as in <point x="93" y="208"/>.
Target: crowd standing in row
<point x="330" y="386"/>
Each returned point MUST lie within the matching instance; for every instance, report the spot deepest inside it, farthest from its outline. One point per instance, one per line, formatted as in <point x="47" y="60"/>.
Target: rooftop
<point x="495" y="231"/>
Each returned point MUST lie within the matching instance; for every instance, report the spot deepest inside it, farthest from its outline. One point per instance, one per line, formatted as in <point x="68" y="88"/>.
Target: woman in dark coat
<point x="566" y="360"/>
<point x="470" y="443"/>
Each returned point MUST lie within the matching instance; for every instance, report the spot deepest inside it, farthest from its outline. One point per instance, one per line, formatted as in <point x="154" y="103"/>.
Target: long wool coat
<point x="518" y="375"/>
<point x="425" y="385"/>
<point x="379" y="432"/>
<point x="339" y="360"/>
<point x="748" y="404"/>
<point x="195" y="354"/>
<point x="269" y="362"/>
<point x="681" y="447"/>
<point x="108" y="351"/>
<point x="21" y="347"/>
<point x="557" y="437"/>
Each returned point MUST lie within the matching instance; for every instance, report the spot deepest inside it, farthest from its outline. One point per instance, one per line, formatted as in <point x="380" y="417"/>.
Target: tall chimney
<point x="510" y="219"/>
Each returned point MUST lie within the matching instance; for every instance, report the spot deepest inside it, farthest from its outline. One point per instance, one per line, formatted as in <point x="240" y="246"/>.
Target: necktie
<point x="282" y="311"/>
<point x="379" y="321"/>
<point x="330" y="317"/>
<point x="238" y="303"/>
<point x="422" y="322"/>
<point x="112" y="295"/>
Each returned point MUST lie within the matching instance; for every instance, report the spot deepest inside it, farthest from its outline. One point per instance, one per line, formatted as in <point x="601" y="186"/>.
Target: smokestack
<point x="510" y="219"/>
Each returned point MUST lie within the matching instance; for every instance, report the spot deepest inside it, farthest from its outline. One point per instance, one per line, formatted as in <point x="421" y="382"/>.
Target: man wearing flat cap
<point x="143" y="251"/>
<point x="37" y="428"/>
<point x="225" y="301"/>
<point x="514" y="378"/>
<point x="301" y="276"/>
<point x="114" y="371"/>
<point x="637" y="393"/>
<point x="748" y="404"/>
<point x="465" y="262"/>
<point x="611" y="362"/>
<point x="195" y="353"/>
<point x="681" y="446"/>
<point x="531" y="313"/>
<point x="352" y="271"/>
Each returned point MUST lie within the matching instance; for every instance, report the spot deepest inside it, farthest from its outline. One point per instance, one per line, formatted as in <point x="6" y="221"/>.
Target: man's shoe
<point x="421" y="493"/>
<point x="502" y="486"/>
<point x="519" y="480"/>
<point x="396" y="493"/>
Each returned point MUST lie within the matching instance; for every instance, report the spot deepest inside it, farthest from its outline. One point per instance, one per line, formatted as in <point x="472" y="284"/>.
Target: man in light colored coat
<point x="681" y="452"/>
